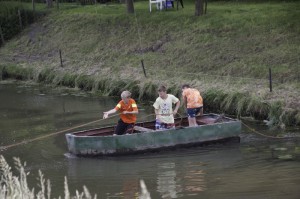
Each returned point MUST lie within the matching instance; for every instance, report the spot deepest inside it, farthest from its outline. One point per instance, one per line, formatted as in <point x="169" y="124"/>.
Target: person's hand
<point x="174" y="112"/>
<point x="105" y="115"/>
<point x="125" y="112"/>
<point x="158" y="120"/>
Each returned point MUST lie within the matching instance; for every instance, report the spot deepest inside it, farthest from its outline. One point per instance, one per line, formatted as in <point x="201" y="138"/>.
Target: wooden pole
<point x="1" y="35"/>
<point x="20" y="19"/>
<point x="61" y="61"/>
<point x="33" y="5"/>
<point x="270" y="79"/>
<point x="142" y="61"/>
<point x="205" y="8"/>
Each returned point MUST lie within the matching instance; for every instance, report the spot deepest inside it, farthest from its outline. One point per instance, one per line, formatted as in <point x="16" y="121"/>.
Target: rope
<point x="2" y="148"/>
<point x="261" y="134"/>
<point x="180" y="116"/>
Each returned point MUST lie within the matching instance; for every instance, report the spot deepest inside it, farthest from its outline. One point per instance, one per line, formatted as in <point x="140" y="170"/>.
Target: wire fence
<point x="59" y="60"/>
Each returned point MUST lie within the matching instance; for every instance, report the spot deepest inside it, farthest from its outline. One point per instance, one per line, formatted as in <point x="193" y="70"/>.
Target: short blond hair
<point x="125" y="94"/>
<point x="162" y="88"/>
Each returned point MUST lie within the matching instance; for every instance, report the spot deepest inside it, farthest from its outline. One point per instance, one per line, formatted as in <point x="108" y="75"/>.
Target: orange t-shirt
<point x="131" y="106"/>
<point x="193" y="98"/>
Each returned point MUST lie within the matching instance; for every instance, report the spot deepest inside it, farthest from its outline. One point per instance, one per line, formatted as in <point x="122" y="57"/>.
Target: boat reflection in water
<point x="166" y="180"/>
<point x="171" y="185"/>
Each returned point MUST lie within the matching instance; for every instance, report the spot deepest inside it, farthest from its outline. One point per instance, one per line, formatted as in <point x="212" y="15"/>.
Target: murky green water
<point x="256" y="168"/>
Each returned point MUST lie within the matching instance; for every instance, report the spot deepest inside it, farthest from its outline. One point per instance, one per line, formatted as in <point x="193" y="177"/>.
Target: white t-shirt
<point x="164" y="106"/>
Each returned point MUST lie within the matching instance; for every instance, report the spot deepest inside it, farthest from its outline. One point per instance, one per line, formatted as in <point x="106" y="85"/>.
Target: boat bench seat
<point x="142" y="129"/>
<point x="207" y="120"/>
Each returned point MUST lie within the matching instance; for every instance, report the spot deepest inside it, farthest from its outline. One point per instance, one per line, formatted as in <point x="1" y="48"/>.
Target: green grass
<point x="232" y="39"/>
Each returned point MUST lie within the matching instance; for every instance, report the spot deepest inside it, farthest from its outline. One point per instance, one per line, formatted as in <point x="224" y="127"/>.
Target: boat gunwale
<point x="73" y="134"/>
<point x="156" y="131"/>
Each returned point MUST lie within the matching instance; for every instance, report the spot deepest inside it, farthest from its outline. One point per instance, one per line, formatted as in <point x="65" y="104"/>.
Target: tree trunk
<point x="199" y="7"/>
<point x="130" y="7"/>
<point x="33" y="5"/>
<point x="1" y="36"/>
<point x="49" y="3"/>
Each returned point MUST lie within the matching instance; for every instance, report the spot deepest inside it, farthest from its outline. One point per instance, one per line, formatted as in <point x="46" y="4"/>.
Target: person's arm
<point x="134" y="107"/>
<point x="157" y="115"/>
<point x="105" y="114"/>
<point x="176" y="107"/>
<point x="130" y="112"/>
<point x="184" y="101"/>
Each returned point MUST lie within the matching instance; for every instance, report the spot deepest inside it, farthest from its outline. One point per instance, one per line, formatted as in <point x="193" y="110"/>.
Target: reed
<point x="257" y="108"/>
<point x="16" y="186"/>
<point x="16" y="72"/>
<point x="69" y="80"/>
<point x="275" y="113"/>
<point x="215" y="99"/>
<point x="297" y="118"/>
<point x="2" y="72"/>
<point x="148" y="90"/>
<point x="84" y="82"/>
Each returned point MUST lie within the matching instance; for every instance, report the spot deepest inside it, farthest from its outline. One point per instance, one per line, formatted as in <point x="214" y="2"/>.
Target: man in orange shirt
<point x="128" y="110"/>
<point x="194" y="103"/>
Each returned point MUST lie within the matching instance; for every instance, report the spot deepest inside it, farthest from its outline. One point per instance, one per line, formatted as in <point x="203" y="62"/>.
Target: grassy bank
<point x="226" y="54"/>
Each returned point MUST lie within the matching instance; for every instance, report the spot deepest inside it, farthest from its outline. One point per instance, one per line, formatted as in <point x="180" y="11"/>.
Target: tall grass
<point x="16" y="186"/>
<point x="219" y="100"/>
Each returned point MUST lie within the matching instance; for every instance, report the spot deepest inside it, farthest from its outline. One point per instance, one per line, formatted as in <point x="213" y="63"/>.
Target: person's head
<point x="162" y="91"/>
<point x="185" y="86"/>
<point x="125" y="95"/>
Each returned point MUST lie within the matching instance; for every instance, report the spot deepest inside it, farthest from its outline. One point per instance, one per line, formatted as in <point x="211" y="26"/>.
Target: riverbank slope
<point x="226" y="54"/>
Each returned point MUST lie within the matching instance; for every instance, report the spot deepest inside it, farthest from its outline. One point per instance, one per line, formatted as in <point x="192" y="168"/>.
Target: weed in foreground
<point x="12" y="186"/>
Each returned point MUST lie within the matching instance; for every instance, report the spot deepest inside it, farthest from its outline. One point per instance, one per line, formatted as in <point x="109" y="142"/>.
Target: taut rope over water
<point x="2" y="148"/>
<point x="261" y="134"/>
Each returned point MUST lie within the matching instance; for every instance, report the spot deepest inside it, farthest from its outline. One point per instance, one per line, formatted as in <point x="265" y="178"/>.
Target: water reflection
<point x="194" y="178"/>
<point x="166" y="180"/>
<point x="190" y="180"/>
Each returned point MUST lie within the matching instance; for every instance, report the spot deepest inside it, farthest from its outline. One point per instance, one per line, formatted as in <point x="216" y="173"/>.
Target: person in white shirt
<point x="163" y="108"/>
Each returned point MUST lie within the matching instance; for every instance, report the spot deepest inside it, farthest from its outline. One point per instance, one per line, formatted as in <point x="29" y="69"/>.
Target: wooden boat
<point x="101" y="141"/>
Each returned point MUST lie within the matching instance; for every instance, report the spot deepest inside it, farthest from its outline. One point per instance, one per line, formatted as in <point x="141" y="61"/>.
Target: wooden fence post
<point x="1" y="35"/>
<point x="270" y="79"/>
<point x="33" y="5"/>
<point x="61" y="61"/>
<point x="20" y="19"/>
<point x="142" y="61"/>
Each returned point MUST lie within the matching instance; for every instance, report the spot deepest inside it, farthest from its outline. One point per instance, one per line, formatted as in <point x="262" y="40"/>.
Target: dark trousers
<point x="123" y="128"/>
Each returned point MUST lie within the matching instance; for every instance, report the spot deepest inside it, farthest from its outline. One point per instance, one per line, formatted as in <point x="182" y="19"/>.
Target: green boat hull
<point x="82" y="145"/>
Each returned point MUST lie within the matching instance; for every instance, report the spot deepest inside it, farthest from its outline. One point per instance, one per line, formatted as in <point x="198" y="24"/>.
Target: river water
<point x="256" y="168"/>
